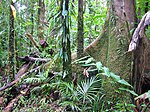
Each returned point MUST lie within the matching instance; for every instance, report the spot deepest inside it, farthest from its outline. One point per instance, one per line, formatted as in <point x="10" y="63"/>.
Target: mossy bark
<point x="11" y="48"/>
<point x="66" y="52"/>
<point x="111" y="47"/>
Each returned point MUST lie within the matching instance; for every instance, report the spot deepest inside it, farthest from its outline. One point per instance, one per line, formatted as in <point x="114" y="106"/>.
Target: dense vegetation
<point x="44" y="63"/>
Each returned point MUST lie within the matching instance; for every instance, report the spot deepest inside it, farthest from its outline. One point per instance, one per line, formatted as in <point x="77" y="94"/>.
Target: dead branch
<point x="139" y="31"/>
<point x="46" y="65"/>
<point x="19" y="78"/>
<point x="23" y="69"/>
<point x="33" y="41"/>
<point x="10" y="105"/>
<point x="32" y="59"/>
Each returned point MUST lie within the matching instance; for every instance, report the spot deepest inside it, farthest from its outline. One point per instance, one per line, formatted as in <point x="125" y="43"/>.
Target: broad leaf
<point x="106" y="71"/>
<point x="89" y="60"/>
<point x="99" y="65"/>
<point x="128" y="90"/>
<point x="115" y="77"/>
<point x="122" y="81"/>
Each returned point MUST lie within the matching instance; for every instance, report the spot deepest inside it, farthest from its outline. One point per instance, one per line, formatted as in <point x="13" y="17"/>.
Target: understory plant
<point x="88" y="95"/>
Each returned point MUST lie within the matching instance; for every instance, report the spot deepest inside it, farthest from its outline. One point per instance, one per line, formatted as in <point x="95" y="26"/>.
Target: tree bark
<point x="66" y="51"/>
<point x="111" y="47"/>
<point x="41" y="21"/>
<point x="80" y="41"/>
<point x="11" y="51"/>
<point x="80" y="37"/>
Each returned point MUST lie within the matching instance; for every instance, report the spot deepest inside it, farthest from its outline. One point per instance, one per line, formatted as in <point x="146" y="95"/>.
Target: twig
<point x="33" y="41"/>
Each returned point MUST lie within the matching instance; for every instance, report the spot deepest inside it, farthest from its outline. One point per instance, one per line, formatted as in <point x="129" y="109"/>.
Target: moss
<point x="111" y="49"/>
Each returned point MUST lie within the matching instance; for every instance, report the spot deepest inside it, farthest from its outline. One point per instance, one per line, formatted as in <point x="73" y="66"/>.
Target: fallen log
<point x="32" y="59"/>
<point x="23" y="69"/>
<point x="19" y="78"/>
<point x="10" y="105"/>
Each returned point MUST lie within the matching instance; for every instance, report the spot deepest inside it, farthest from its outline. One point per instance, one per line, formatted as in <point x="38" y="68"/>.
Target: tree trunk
<point x="11" y="52"/>
<point x="111" y="47"/>
<point x="41" y="20"/>
<point x="66" y="51"/>
<point x="141" y="68"/>
<point x="80" y="41"/>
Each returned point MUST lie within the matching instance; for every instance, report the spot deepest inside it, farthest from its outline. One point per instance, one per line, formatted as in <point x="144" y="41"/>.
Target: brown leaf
<point x="85" y="72"/>
<point x="1" y="100"/>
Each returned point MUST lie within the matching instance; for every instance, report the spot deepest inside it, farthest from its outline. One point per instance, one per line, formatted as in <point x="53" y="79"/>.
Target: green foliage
<point x="4" y="17"/>
<point x="94" y="18"/>
<point x="141" y="7"/>
<point x="147" y="32"/>
<point x="82" y="97"/>
<point x="89" y="94"/>
<point x="124" y="87"/>
<point x="103" y="70"/>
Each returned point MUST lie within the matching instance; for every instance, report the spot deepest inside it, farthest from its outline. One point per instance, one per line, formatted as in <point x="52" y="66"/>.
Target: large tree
<point x="66" y="51"/>
<point x="111" y="46"/>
